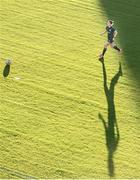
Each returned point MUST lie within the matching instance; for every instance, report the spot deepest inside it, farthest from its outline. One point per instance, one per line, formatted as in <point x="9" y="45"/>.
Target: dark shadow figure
<point x="111" y="127"/>
<point x="6" y="70"/>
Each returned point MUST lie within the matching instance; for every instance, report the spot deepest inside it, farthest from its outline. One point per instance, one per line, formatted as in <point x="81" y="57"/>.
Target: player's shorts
<point x="110" y="41"/>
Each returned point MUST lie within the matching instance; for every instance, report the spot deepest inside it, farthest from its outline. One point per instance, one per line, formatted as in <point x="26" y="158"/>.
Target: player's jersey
<point x="110" y="32"/>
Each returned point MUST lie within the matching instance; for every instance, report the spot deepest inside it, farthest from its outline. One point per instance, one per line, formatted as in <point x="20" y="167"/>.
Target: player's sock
<point x="115" y="47"/>
<point x="104" y="50"/>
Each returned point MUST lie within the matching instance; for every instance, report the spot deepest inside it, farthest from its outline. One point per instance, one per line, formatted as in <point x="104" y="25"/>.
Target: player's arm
<point x="102" y="33"/>
<point x="115" y="33"/>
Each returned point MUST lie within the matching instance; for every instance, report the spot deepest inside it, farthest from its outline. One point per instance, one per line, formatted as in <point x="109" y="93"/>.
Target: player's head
<point x="110" y="23"/>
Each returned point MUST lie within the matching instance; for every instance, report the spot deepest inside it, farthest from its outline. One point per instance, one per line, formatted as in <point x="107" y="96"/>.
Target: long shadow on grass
<point x="111" y="128"/>
<point x="126" y="15"/>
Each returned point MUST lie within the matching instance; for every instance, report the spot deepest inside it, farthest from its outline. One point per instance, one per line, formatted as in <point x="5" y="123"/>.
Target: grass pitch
<point x="53" y="100"/>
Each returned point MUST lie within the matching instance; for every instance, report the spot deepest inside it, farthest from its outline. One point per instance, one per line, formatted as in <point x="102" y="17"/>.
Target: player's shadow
<point x="111" y="128"/>
<point x="6" y="70"/>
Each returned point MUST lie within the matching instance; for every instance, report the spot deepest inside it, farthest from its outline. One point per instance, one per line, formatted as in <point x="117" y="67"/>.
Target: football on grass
<point x="8" y="62"/>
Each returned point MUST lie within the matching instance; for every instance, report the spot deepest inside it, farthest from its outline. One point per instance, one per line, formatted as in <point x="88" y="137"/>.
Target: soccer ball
<point x="8" y="62"/>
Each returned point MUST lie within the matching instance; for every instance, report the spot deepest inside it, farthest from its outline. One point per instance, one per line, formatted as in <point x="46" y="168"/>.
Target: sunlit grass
<point x="49" y="125"/>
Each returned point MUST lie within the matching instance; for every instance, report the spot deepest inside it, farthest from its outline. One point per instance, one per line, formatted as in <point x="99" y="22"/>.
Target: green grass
<point x="49" y="124"/>
<point x="126" y="16"/>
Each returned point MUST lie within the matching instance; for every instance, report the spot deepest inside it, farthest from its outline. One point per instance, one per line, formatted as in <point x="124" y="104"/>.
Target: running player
<point x="111" y="34"/>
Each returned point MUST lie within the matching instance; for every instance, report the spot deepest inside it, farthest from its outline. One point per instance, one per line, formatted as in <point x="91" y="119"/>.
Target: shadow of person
<point x="111" y="127"/>
<point x="6" y="70"/>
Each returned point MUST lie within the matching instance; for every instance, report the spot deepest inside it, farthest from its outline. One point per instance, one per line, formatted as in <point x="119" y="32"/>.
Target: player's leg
<point x="105" y="49"/>
<point x="113" y="45"/>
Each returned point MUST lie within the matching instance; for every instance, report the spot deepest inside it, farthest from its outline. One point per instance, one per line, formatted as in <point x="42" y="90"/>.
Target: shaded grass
<point x="126" y="15"/>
